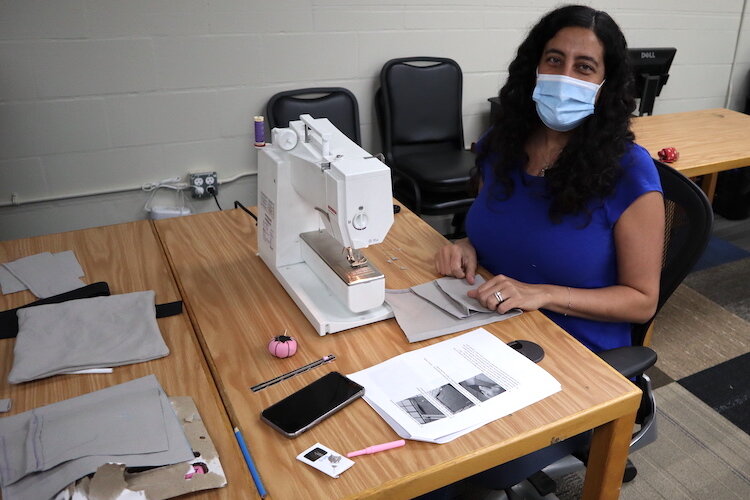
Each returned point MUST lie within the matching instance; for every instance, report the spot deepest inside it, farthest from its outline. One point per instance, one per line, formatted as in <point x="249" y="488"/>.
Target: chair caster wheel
<point x="630" y="472"/>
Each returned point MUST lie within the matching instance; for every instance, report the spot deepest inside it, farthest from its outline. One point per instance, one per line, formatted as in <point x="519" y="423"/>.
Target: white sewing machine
<point x="321" y="199"/>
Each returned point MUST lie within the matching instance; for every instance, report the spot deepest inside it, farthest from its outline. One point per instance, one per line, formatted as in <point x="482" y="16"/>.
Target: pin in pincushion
<point x="282" y="346"/>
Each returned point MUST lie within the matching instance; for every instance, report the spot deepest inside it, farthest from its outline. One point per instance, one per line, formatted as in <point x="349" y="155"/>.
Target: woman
<point x="569" y="217"/>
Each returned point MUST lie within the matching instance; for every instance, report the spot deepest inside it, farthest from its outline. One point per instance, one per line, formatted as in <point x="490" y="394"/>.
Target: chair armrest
<point x="630" y="361"/>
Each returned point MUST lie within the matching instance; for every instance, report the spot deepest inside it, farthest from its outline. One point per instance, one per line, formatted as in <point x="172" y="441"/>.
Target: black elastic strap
<point x="9" y="318"/>
<point x="169" y="309"/>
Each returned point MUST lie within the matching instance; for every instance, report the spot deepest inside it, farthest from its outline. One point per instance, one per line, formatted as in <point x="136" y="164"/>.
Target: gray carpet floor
<point x="733" y="293"/>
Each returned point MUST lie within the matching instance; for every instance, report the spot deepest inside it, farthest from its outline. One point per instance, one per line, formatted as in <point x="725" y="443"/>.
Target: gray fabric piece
<point x="5" y="405"/>
<point x="9" y="283"/>
<point x="421" y="320"/>
<point x="457" y="289"/>
<point x="431" y="292"/>
<point x="61" y="433"/>
<point x="449" y="294"/>
<point x="44" y="485"/>
<point x="86" y="333"/>
<point x="45" y="275"/>
<point x="67" y="260"/>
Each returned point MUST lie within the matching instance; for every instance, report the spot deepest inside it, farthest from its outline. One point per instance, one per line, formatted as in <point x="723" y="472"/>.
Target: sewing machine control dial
<point x="359" y="221"/>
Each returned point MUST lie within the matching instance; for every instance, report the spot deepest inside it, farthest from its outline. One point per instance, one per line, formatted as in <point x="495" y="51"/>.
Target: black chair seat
<point x="446" y="171"/>
<point x="630" y="360"/>
<point x="435" y="203"/>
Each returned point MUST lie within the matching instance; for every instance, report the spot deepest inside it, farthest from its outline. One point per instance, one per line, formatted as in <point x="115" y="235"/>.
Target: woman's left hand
<point x="501" y="293"/>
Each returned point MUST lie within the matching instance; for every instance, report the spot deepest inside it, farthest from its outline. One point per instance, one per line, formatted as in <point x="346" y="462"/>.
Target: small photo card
<point x="325" y="460"/>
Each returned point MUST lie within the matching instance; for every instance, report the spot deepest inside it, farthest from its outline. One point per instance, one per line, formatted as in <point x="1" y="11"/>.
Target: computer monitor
<point x="651" y="71"/>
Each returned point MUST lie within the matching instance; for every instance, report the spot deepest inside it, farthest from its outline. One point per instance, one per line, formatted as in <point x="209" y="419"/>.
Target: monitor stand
<point x="650" y="90"/>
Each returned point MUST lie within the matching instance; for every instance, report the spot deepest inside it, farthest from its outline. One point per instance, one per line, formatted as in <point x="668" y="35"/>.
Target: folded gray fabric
<point x="86" y="333"/>
<point x="457" y="289"/>
<point x="61" y="433"/>
<point x="449" y="294"/>
<point x="154" y="431"/>
<point x="422" y="320"/>
<point x="45" y="274"/>
<point x="431" y="292"/>
<point x="67" y="260"/>
<point x="9" y="283"/>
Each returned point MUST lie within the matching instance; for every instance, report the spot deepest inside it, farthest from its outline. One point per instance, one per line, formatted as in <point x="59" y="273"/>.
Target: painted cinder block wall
<point x="102" y="96"/>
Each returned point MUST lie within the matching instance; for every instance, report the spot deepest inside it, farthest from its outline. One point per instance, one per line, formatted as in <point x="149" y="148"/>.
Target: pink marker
<point x="376" y="448"/>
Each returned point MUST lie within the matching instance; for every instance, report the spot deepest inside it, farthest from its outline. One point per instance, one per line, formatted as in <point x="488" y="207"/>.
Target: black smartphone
<point x="313" y="403"/>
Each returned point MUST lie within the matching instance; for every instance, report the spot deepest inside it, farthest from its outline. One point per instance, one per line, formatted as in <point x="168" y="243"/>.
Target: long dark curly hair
<point x="588" y="167"/>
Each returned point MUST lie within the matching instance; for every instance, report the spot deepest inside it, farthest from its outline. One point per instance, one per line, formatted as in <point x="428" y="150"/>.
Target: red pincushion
<point x="668" y="155"/>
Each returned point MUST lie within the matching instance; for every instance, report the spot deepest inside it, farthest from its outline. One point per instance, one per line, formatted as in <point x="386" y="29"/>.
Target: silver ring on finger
<point x="499" y="297"/>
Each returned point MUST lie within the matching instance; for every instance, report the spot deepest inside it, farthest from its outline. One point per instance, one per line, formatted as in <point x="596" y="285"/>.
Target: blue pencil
<point x="250" y="463"/>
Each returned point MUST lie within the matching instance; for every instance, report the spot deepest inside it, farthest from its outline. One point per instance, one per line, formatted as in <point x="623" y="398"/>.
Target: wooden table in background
<point x="237" y="305"/>
<point x="129" y="258"/>
<point x="709" y="141"/>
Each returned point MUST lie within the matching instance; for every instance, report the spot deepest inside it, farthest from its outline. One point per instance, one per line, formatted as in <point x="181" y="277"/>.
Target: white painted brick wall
<point x="162" y="117"/>
<point x="99" y="95"/>
<point x="740" y="94"/>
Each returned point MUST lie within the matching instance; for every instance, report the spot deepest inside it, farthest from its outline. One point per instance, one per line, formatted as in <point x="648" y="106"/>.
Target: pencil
<point x="250" y="464"/>
<point x="292" y="373"/>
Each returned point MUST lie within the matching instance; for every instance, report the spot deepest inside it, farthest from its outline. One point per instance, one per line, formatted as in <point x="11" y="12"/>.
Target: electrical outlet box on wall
<point x="204" y="185"/>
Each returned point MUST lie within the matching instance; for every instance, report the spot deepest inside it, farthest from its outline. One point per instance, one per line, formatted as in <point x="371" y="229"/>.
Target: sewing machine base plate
<point x="324" y="311"/>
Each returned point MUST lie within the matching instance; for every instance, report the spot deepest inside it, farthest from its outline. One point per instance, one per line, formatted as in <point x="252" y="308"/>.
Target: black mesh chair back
<point x="689" y="219"/>
<point x="335" y="103"/>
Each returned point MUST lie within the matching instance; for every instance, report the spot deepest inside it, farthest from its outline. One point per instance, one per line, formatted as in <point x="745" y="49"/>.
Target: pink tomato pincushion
<point x="282" y="346"/>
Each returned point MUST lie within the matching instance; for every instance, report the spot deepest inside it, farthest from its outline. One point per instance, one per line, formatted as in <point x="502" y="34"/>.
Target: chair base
<point x="630" y="472"/>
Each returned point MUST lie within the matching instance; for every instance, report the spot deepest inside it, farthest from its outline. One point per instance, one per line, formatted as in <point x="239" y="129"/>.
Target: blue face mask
<point x="563" y="102"/>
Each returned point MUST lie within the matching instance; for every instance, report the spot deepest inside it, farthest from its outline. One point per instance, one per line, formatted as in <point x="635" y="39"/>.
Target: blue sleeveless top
<point x="516" y="237"/>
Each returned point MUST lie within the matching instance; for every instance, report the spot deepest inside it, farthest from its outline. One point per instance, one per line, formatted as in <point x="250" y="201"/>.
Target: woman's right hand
<point x="457" y="259"/>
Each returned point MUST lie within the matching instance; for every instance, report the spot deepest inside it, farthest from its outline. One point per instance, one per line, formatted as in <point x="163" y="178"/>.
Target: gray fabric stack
<point x="86" y="333"/>
<point x="440" y="307"/>
<point x="44" y="274"/>
<point x="44" y="450"/>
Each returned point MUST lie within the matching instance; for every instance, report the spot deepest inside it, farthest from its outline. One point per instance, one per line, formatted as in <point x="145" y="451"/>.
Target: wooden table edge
<point x="231" y="418"/>
<point x="610" y="440"/>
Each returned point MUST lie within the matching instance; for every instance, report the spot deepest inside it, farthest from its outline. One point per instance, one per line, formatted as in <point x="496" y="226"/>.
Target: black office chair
<point x="419" y="111"/>
<point x="689" y="219"/>
<point x="335" y="103"/>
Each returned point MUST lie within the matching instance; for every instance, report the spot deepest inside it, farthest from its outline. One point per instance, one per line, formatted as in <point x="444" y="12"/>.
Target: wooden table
<point x="129" y="257"/>
<point x="709" y="141"/>
<point x="237" y="305"/>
